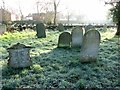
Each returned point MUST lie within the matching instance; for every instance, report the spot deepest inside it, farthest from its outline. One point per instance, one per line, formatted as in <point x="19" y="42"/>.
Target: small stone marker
<point x="77" y="37"/>
<point x="90" y="46"/>
<point x="2" y="29"/>
<point x="40" y="28"/>
<point x="19" y="56"/>
<point x="61" y="27"/>
<point x="88" y="27"/>
<point x="64" y="40"/>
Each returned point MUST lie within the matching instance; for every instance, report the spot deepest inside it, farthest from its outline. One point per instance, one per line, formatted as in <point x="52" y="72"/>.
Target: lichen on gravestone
<point x="64" y="40"/>
<point x="19" y="56"/>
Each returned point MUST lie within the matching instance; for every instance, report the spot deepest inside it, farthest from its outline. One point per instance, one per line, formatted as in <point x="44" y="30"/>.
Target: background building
<point x="5" y="15"/>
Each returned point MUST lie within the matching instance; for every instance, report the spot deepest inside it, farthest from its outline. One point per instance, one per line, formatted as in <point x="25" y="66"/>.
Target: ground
<point x="60" y="68"/>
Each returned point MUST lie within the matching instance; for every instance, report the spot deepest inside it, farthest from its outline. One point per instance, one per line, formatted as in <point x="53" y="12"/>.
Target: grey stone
<point x="40" y="28"/>
<point x="64" y="40"/>
<point x="19" y="56"/>
<point x="89" y="27"/>
<point x="2" y="29"/>
<point x="90" y="46"/>
<point x="77" y="37"/>
<point x="60" y="27"/>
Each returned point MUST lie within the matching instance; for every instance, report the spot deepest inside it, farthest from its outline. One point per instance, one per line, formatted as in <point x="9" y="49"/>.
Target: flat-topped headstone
<point x="19" y="56"/>
<point x="40" y="28"/>
<point x="64" y="40"/>
<point x="89" y="27"/>
<point x="77" y="37"/>
<point x="90" y="46"/>
<point x="60" y="27"/>
<point x="2" y="29"/>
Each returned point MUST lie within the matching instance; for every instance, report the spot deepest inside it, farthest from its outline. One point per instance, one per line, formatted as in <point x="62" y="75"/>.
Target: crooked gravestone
<point x="64" y="40"/>
<point x="60" y="27"/>
<point x="77" y="37"/>
<point x="90" y="46"/>
<point x="40" y="28"/>
<point x="89" y="27"/>
<point x="2" y="29"/>
<point x="19" y="56"/>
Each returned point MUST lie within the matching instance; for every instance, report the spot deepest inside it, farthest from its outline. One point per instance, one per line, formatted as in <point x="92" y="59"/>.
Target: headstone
<point x="77" y="37"/>
<point x="40" y="28"/>
<point x="90" y="46"/>
<point x="19" y="56"/>
<point x="61" y="27"/>
<point x="2" y="29"/>
<point x="64" y="40"/>
<point x="89" y="27"/>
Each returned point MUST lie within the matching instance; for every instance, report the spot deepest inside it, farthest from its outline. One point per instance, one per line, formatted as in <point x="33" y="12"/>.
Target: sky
<point x="93" y="10"/>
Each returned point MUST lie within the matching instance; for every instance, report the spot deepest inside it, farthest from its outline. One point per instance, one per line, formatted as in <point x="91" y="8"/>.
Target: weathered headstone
<point x="60" y="27"/>
<point x="19" y="56"/>
<point x="77" y="37"/>
<point x="40" y="28"/>
<point x="89" y="27"/>
<point x="90" y="46"/>
<point x="2" y="29"/>
<point x="64" y="40"/>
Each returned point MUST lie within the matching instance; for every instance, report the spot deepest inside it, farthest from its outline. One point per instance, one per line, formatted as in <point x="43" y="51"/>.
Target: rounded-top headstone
<point x="60" y="27"/>
<point x="89" y="27"/>
<point x="64" y="40"/>
<point x="90" y="46"/>
<point x="77" y="37"/>
<point x="40" y="28"/>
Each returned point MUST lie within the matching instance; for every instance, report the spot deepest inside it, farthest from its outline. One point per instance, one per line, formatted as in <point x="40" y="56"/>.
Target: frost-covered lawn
<point x="60" y="68"/>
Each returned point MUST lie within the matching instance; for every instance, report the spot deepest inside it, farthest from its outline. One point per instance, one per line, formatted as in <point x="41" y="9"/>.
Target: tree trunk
<point x="118" y="29"/>
<point x="55" y="13"/>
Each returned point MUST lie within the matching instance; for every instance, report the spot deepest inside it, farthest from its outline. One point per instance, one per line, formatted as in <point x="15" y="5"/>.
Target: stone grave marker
<point x="40" y="28"/>
<point x="19" y="56"/>
<point x="64" y="40"/>
<point x="90" y="46"/>
<point x="60" y="27"/>
<point x="89" y="27"/>
<point x="2" y="29"/>
<point x="77" y="37"/>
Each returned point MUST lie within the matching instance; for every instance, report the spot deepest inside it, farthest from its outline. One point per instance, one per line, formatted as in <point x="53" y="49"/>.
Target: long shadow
<point x="60" y="64"/>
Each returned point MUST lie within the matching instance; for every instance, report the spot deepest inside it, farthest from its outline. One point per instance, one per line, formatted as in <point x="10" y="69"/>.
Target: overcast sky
<point x="92" y="9"/>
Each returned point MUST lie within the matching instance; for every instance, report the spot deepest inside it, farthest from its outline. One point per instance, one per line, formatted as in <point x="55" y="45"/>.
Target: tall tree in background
<point x="55" y="10"/>
<point x="115" y="13"/>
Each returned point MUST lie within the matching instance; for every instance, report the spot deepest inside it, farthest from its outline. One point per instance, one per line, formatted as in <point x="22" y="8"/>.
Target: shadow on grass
<point x="62" y="68"/>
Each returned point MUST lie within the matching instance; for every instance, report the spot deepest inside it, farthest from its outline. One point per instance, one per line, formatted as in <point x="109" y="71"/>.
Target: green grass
<point x="57" y="67"/>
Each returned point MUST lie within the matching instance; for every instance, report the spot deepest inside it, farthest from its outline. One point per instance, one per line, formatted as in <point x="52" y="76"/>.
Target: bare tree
<point x="56" y="4"/>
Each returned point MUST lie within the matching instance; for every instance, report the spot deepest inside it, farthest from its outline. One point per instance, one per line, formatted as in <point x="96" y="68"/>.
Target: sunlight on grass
<point x="58" y="67"/>
<point x="110" y="33"/>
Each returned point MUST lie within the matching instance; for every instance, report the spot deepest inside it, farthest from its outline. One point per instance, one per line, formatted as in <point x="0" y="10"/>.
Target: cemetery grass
<point x="60" y="67"/>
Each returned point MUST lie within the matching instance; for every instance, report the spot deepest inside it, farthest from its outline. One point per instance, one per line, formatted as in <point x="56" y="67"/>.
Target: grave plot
<point x="40" y="28"/>
<point x="90" y="46"/>
<point x="64" y="40"/>
<point x="77" y="37"/>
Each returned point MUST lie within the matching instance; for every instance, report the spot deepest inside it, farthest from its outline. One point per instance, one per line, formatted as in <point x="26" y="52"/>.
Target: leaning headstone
<point x="19" y="56"/>
<point x="2" y="29"/>
<point x="40" y="28"/>
<point x="64" y="40"/>
<point x="61" y="27"/>
<point x="89" y="27"/>
<point x="90" y="46"/>
<point x="77" y="37"/>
